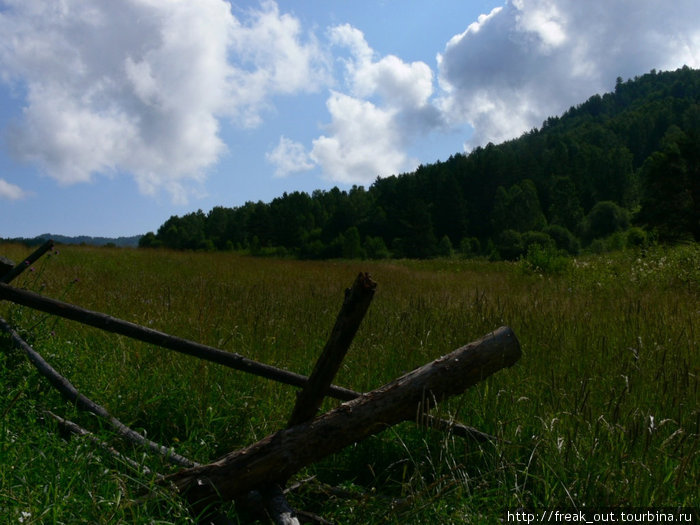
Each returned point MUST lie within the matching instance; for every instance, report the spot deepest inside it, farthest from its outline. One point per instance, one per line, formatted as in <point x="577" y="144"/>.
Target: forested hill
<point x="619" y="168"/>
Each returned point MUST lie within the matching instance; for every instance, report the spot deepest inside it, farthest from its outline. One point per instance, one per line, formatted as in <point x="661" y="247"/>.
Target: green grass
<point x="603" y="409"/>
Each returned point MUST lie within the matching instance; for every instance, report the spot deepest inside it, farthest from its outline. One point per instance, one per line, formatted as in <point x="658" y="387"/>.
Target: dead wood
<point x="154" y="337"/>
<point x="277" y="507"/>
<point x="69" y="392"/>
<point x="280" y="455"/>
<point x="73" y="428"/>
<point x="355" y="305"/>
<point x="208" y="353"/>
<point x="5" y="265"/>
<point x="26" y="263"/>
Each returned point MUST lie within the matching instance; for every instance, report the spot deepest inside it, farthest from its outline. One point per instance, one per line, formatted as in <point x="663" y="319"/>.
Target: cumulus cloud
<point x="289" y="157"/>
<point x="11" y="191"/>
<point x="363" y="142"/>
<point x="139" y="86"/>
<point x="531" y="59"/>
<point x="387" y="106"/>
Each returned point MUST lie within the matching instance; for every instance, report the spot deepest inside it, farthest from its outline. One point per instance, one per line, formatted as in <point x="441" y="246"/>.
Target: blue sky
<point x="116" y="115"/>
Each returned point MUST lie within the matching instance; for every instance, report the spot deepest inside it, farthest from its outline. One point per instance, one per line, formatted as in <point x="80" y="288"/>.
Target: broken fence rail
<point x="154" y="337"/>
<point x="259" y="466"/>
<point x="208" y="353"/>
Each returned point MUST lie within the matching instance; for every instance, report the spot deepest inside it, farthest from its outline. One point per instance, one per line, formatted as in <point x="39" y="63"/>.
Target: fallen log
<point x="5" y="265"/>
<point x="309" y="398"/>
<point x="277" y="457"/>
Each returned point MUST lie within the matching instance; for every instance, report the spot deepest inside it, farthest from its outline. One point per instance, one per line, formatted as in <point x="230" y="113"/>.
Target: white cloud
<point x="386" y="108"/>
<point x="11" y="191"/>
<point x="543" y="20"/>
<point x="272" y="59"/>
<point x="139" y="86"/>
<point x="400" y="85"/>
<point x="289" y="157"/>
<point x="363" y="142"/>
<point x="531" y="59"/>
<point x="353" y="39"/>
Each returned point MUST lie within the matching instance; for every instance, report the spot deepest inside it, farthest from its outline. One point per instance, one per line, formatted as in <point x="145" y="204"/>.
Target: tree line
<point x="620" y="168"/>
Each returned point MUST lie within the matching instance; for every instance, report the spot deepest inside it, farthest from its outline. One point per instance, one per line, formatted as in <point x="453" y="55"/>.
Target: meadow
<point x="602" y="410"/>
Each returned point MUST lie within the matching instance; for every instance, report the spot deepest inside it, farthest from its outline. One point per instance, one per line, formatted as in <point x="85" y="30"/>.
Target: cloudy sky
<point x="116" y="114"/>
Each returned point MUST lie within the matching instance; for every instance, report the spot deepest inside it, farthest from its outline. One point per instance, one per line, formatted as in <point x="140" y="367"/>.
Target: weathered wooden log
<point x="277" y="507"/>
<point x="280" y="455"/>
<point x="154" y="337"/>
<point x="73" y="428"/>
<point x="26" y="263"/>
<point x="222" y="357"/>
<point x="5" y="265"/>
<point x="69" y="392"/>
<point x="357" y="300"/>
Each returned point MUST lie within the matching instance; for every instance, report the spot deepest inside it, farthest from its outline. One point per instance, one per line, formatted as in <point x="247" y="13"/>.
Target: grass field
<point x="602" y="410"/>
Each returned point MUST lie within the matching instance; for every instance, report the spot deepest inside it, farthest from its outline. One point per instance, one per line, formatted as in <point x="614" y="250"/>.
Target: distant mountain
<point x="132" y="241"/>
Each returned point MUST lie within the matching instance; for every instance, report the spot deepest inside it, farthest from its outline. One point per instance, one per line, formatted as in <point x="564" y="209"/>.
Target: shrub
<point x="375" y="248"/>
<point x="544" y="259"/>
<point x="469" y="246"/>
<point x="637" y="238"/>
<point x="444" y="247"/>
<point x="537" y="237"/>
<point x="510" y="244"/>
<point x="351" y="245"/>
<point x="606" y="218"/>
<point x="564" y="239"/>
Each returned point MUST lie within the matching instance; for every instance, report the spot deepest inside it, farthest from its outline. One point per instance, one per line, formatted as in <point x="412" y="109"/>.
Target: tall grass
<point x="602" y="410"/>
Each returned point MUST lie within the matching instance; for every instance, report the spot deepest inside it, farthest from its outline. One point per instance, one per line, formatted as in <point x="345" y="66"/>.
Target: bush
<point x="444" y="247"/>
<point x="637" y="238"/>
<point x="375" y="248"/>
<point x="351" y="245"/>
<point x="470" y="246"/>
<point x="606" y="218"/>
<point x="510" y="245"/>
<point x="313" y="249"/>
<point x="544" y="259"/>
<point x="564" y="239"/>
<point x="541" y="238"/>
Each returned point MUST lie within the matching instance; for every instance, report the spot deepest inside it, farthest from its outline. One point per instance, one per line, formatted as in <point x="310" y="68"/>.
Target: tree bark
<point x="280" y="455"/>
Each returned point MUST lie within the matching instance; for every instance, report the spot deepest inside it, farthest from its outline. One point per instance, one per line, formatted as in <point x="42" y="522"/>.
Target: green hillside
<point x="621" y="168"/>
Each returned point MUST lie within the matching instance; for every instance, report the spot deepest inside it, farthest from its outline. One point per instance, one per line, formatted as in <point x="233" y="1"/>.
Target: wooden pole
<point x="76" y="429"/>
<point x="355" y="305"/>
<point x="26" y="263"/>
<point x="277" y="507"/>
<point x="280" y="455"/>
<point x="229" y="359"/>
<point x="68" y="391"/>
<point x="147" y="335"/>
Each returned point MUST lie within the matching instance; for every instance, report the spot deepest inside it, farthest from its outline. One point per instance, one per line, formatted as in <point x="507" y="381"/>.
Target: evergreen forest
<point x="619" y="169"/>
